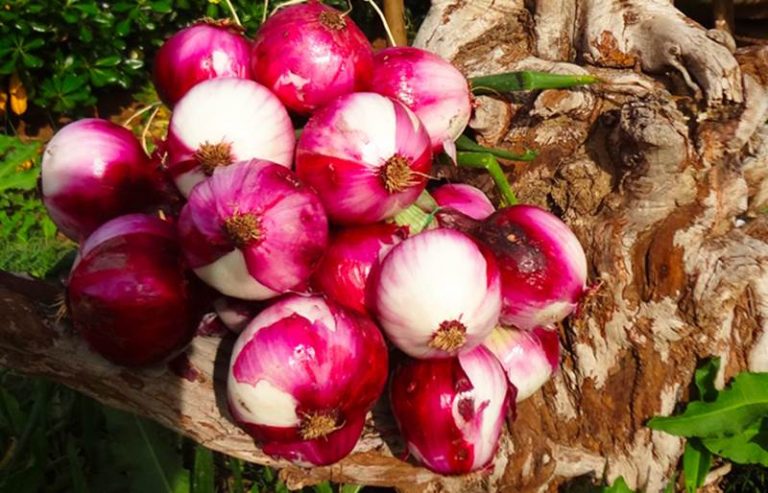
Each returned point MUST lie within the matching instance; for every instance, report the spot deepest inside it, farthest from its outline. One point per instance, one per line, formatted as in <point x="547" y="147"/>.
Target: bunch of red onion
<point x="302" y="245"/>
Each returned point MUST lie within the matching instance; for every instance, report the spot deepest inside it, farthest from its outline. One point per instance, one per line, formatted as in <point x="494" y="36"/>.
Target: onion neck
<point x="243" y="229"/>
<point x="318" y="424"/>
<point x="449" y="337"/>
<point x="396" y="174"/>
<point x="211" y="156"/>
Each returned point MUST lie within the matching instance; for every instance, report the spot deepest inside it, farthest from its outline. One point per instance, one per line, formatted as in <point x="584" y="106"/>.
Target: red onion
<point x="429" y="85"/>
<point x="197" y="53"/>
<point x="253" y="231"/>
<point x="93" y="171"/>
<point x="222" y="121"/>
<point x="465" y="199"/>
<point x="528" y="357"/>
<point x="352" y="253"/>
<point x="366" y="155"/>
<point x="451" y="411"/>
<point x="543" y="267"/>
<point x="302" y="377"/>
<point x="139" y="315"/>
<point x="437" y="293"/>
<point x="309" y="55"/>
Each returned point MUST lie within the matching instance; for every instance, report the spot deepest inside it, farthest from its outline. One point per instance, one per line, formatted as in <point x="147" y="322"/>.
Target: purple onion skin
<point x="465" y="199"/>
<point x="430" y="398"/>
<point x="129" y="293"/>
<point x="309" y="55"/>
<point x="352" y="254"/>
<point x="197" y="53"/>
<point x="94" y="170"/>
<point x="327" y="359"/>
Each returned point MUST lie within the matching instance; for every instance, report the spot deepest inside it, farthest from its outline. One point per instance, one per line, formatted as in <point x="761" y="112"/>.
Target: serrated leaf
<point x="618" y="486"/>
<point x="748" y="447"/>
<point x="17" y="163"/>
<point x="734" y="409"/>
<point x="696" y="463"/>
<point x="705" y="379"/>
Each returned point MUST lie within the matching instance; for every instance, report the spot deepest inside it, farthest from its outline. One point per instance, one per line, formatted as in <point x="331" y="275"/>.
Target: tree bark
<point x="665" y="181"/>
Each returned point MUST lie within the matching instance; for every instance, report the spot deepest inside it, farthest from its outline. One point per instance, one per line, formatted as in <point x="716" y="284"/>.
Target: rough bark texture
<point x="664" y="178"/>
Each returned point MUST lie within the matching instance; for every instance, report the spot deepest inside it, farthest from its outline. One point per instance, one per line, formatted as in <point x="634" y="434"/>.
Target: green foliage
<point x="204" y="477"/>
<point x="696" y="463"/>
<point x="618" y="486"/>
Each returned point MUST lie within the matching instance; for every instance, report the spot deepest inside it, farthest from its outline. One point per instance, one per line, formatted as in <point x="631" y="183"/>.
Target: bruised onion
<point x="94" y="170"/>
<point x="200" y="52"/>
<point x="451" y="411"/>
<point x="464" y="198"/>
<point x="529" y="357"/>
<point x="253" y="231"/>
<point x="222" y="121"/>
<point x="367" y="156"/>
<point x="437" y="293"/>
<point x="303" y="375"/>
<point x="129" y="294"/>
<point x="352" y="253"/>
<point x="430" y="86"/>
<point x="309" y="55"/>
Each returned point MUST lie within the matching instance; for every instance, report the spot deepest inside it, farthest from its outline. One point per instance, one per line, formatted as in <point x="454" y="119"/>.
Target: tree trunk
<point x="664" y="180"/>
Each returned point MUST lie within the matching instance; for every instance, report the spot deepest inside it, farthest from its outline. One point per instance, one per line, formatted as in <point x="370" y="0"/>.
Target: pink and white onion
<point x="352" y="254"/>
<point x="309" y="55"/>
<point x="429" y="85"/>
<point x="253" y="231"/>
<point x="199" y="52"/>
<point x="222" y="121"/>
<point x="302" y="377"/>
<point x="529" y="357"/>
<point x="94" y="170"/>
<point x="129" y="293"/>
<point x="465" y="199"/>
<point x="437" y="294"/>
<point x="451" y="411"/>
<point x="367" y="156"/>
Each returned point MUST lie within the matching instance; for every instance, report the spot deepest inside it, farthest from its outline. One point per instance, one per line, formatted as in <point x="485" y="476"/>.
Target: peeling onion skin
<point x="233" y="120"/>
<point x="367" y="156"/>
<point x="130" y="295"/>
<point x="429" y="85"/>
<point x="529" y="357"/>
<point x="352" y="254"/>
<point x="310" y="54"/>
<point x="451" y="411"/>
<point x="94" y="170"/>
<point x="197" y="53"/>
<point x="302" y="357"/>
<point x="465" y="199"/>
<point x="437" y="294"/>
<point x="253" y="231"/>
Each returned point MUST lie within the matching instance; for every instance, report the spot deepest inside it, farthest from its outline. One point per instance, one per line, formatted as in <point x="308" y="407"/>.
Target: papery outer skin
<point x="240" y="112"/>
<point x="343" y="147"/>
<point x="293" y="226"/>
<point x="352" y="253"/>
<point x="436" y="276"/>
<point x="429" y="85"/>
<point x="129" y="295"/>
<point x="197" y="53"/>
<point x="465" y="199"/>
<point x="451" y="411"/>
<point x="529" y="358"/>
<point x="300" y="356"/>
<point x="543" y="273"/>
<point x="306" y="64"/>
<point x="94" y="170"/>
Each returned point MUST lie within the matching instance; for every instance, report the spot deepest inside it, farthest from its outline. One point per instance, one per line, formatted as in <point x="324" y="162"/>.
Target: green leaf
<point x="146" y="453"/>
<point x="236" y="468"/>
<point x="670" y="488"/>
<point x="18" y="167"/>
<point x="618" y="486"/>
<point x="75" y="468"/>
<point x="31" y="61"/>
<point x="705" y="379"/>
<point x="102" y="77"/>
<point x="162" y="7"/>
<point x="350" y="488"/>
<point x="734" y="409"/>
<point x="696" y="463"/>
<point x="203" y="478"/>
<point x="109" y="61"/>
<point x="748" y="447"/>
<point x="324" y="487"/>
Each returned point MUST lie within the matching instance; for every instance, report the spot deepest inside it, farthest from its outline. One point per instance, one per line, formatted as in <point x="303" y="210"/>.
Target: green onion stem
<point x="527" y="81"/>
<point x="464" y="143"/>
<point x="488" y="162"/>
